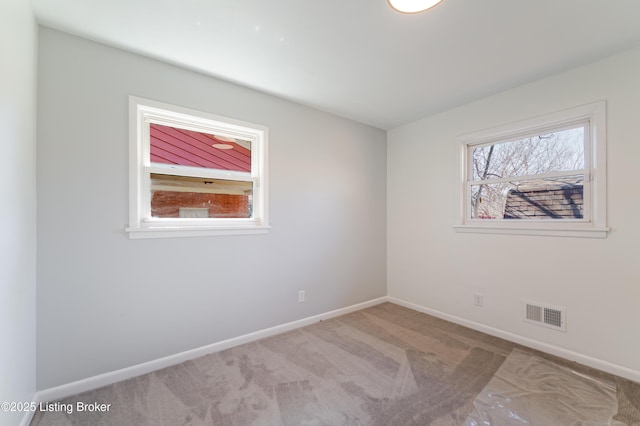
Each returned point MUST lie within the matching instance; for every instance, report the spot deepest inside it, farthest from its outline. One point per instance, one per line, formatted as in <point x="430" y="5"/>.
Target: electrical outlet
<point x="301" y="296"/>
<point x="478" y="299"/>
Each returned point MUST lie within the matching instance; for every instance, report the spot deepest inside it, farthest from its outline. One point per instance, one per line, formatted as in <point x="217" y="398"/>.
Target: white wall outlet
<point x="478" y="299"/>
<point x="301" y="296"/>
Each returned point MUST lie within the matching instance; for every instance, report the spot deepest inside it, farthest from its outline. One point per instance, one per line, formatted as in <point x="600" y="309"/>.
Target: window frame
<point x="594" y="221"/>
<point x="142" y="113"/>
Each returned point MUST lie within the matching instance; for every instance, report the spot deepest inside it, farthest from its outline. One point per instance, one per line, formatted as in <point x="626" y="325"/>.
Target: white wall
<point x="597" y="280"/>
<point x="17" y="205"/>
<point x="106" y="302"/>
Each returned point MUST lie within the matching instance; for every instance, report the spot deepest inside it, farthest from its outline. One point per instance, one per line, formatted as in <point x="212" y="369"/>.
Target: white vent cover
<point x="547" y="316"/>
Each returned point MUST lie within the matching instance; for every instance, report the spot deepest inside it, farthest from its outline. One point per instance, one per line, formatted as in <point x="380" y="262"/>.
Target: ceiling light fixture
<point x="412" y="6"/>
<point x="223" y="142"/>
<point x="222" y="146"/>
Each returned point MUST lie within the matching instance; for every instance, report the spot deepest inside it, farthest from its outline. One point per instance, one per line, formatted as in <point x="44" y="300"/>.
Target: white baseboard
<point x="109" y="378"/>
<point x="63" y="391"/>
<point x="599" y="364"/>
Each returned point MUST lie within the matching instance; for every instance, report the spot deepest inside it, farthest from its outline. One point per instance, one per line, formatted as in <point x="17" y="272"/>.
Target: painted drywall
<point x="17" y="208"/>
<point x="597" y="280"/>
<point x="106" y="302"/>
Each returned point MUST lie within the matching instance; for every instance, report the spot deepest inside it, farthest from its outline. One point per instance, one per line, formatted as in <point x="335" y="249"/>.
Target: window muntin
<point x="562" y="193"/>
<point x="195" y="173"/>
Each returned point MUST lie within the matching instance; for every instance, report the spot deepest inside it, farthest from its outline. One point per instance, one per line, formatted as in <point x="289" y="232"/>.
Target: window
<point x="545" y="176"/>
<point x="194" y="173"/>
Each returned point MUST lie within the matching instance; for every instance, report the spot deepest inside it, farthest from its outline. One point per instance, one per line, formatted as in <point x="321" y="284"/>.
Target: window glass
<point x="556" y="151"/>
<point x="551" y="198"/>
<point x="193" y="173"/>
<point x="190" y="197"/>
<point x="170" y="145"/>
<point x="530" y="178"/>
<point x="546" y="175"/>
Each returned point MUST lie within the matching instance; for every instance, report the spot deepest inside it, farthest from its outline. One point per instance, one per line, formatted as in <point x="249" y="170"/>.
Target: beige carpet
<point x="385" y="365"/>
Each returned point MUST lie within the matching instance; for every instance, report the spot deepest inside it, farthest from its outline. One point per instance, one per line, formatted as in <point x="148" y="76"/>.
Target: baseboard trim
<point x="105" y="379"/>
<point x="599" y="364"/>
<point x="90" y="383"/>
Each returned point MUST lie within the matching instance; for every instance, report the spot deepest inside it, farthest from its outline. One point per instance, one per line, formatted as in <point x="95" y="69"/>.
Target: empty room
<point x="381" y="212"/>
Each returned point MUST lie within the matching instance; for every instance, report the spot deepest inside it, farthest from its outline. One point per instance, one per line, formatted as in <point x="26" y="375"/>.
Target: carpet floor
<point x="384" y="365"/>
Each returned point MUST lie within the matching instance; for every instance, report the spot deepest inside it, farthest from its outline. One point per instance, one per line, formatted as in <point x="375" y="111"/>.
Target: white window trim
<point x="595" y="225"/>
<point x="142" y="112"/>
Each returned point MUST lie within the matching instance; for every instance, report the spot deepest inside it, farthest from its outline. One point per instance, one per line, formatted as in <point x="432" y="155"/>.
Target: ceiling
<point x="358" y="58"/>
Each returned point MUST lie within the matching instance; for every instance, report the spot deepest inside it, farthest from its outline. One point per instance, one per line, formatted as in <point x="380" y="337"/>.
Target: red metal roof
<point x="188" y="148"/>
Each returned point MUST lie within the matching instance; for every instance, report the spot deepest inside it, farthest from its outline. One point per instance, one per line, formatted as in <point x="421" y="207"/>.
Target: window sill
<point x="136" y="233"/>
<point x="546" y="231"/>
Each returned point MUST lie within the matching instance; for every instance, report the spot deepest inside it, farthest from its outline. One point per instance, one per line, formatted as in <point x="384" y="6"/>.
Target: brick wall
<point x="168" y="203"/>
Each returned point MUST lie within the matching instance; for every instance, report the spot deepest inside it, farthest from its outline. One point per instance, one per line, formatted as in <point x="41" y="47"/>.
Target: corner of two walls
<point x="106" y="302"/>
<point x="596" y="280"/>
<point x="18" y="206"/>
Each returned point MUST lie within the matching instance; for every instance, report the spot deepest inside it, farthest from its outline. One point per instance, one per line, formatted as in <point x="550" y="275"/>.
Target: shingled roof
<point x="555" y="201"/>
